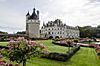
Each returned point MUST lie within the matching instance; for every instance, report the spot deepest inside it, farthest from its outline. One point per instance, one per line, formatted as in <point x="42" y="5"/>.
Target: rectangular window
<point x="58" y="32"/>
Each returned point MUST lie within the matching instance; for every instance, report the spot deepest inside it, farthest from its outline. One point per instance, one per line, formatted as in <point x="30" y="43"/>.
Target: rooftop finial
<point x="34" y="9"/>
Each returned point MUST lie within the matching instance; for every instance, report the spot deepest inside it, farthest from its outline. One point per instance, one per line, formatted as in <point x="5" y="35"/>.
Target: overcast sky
<point x="71" y="12"/>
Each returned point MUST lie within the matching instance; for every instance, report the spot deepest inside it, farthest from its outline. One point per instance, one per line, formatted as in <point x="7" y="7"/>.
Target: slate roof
<point x="33" y="16"/>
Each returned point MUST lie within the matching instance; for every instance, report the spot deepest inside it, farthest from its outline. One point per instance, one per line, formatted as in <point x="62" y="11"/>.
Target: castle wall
<point x="33" y="28"/>
<point x="33" y="24"/>
<point x="55" y="29"/>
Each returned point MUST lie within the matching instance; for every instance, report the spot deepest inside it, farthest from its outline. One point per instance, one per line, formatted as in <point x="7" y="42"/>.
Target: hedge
<point x="61" y="44"/>
<point x="62" y="56"/>
<point x="4" y="47"/>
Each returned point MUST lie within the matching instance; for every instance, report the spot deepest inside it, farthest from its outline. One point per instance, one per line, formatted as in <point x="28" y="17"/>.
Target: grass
<point x="3" y="43"/>
<point x="54" y="48"/>
<point x="84" y="57"/>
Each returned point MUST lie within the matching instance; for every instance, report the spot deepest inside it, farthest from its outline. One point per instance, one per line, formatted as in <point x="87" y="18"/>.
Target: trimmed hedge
<point x="62" y="56"/>
<point x="57" y="56"/>
<point x="61" y="44"/>
<point x="4" y="47"/>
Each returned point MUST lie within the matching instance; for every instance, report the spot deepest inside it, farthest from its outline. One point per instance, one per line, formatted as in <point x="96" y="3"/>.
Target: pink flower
<point x="33" y="43"/>
<point x="11" y="41"/>
<point x="2" y="63"/>
<point x="20" y="38"/>
<point x="29" y="42"/>
<point x="42" y="46"/>
<point x="26" y="41"/>
<point x="10" y="47"/>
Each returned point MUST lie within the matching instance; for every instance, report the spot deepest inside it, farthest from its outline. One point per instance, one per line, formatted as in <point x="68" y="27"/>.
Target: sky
<point x="70" y="12"/>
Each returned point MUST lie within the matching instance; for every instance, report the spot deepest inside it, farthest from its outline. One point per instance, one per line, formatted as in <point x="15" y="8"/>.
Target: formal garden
<point x="24" y="52"/>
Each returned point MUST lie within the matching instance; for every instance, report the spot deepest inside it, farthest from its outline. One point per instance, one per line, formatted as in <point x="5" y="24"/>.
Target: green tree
<point x="87" y="31"/>
<point x="23" y="32"/>
<point x="97" y="33"/>
<point x="1" y="32"/>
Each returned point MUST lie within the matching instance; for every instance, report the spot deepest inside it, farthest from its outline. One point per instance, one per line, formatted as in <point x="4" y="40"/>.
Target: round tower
<point x="33" y="24"/>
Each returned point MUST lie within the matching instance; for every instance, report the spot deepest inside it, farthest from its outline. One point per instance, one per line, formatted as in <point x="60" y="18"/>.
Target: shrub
<point x="22" y="49"/>
<point x="56" y="56"/>
<point x="62" y="56"/>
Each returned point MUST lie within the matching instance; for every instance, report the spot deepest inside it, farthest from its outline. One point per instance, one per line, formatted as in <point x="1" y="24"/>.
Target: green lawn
<point x="84" y="57"/>
<point x="54" y="48"/>
<point x="3" y="43"/>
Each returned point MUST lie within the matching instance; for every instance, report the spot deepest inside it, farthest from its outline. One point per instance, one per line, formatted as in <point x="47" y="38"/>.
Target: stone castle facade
<point x="51" y="29"/>
<point x="58" y="29"/>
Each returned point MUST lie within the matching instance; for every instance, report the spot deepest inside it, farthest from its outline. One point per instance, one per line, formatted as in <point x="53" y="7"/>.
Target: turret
<point x="33" y="24"/>
<point x="38" y="14"/>
<point x="34" y="15"/>
<point x="27" y="15"/>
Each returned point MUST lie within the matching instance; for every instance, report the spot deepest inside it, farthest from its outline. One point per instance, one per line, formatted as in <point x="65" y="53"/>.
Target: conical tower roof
<point x="34" y="15"/>
<point x="28" y="13"/>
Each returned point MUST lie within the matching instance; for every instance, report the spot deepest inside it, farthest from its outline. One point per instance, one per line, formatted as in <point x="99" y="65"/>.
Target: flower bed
<point x="61" y="44"/>
<point x="97" y="48"/>
<point x="21" y="50"/>
<point x="4" y="63"/>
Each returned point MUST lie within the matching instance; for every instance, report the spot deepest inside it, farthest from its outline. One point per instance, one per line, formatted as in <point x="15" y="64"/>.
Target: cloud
<point x="74" y="12"/>
<point x="11" y="20"/>
<point x="93" y="1"/>
<point x="2" y="0"/>
<point x="71" y="12"/>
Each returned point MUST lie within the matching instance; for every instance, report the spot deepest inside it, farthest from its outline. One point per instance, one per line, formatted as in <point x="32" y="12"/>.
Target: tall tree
<point x="87" y="31"/>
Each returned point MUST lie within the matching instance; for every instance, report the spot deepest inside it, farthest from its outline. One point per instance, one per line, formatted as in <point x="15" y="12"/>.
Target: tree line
<point x="89" y="31"/>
